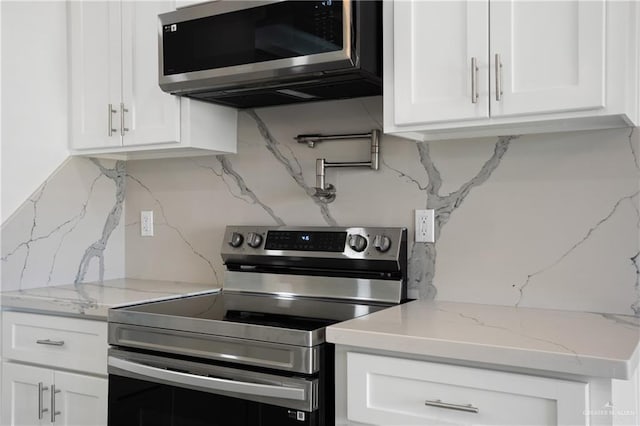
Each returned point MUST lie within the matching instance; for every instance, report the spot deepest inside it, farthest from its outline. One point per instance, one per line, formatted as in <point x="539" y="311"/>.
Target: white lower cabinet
<point x="21" y="396"/>
<point x="39" y="396"/>
<point x="393" y="391"/>
<point x="53" y="370"/>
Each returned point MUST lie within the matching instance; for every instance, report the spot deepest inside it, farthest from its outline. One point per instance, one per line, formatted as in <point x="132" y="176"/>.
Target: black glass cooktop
<point x="277" y="320"/>
<point x="242" y="314"/>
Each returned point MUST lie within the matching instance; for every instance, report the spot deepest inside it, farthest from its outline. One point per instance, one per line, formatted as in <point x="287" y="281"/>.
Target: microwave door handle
<point x="204" y="382"/>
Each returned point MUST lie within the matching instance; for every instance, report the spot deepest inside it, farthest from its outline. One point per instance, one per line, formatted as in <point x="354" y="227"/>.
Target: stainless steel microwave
<point x="259" y="53"/>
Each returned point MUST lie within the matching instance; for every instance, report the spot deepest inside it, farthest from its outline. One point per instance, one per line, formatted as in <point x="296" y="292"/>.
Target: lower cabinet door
<point x="393" y="391"/>
<point x="34" y="396"/>
<point x="82" y="400"/>
<point x="23" y="401"/>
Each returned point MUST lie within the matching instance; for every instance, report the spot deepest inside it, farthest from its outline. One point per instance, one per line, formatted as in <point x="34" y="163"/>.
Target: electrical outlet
<point x="146" y="223"/>
<point x="425" y="224"/>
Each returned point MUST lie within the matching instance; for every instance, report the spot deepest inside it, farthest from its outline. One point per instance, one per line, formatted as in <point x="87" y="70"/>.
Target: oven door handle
<point x="205" y="382"/>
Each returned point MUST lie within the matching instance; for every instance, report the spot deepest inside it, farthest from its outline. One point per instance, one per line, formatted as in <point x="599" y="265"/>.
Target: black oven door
<point x="150" y="390"/>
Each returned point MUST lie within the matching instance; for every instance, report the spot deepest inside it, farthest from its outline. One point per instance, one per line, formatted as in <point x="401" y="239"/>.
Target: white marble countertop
<point x="93" y="300"/>
<point x="585" y="344"/>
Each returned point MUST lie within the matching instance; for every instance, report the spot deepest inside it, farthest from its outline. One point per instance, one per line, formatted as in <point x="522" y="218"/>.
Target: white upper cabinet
<point x="546" y="57"/>
<point x="117" y="108"/>
<point x="96" y="77"/>
<point x="152" y="115"/>
<point x="436" y="43"/>
<point x="488" y="67"/>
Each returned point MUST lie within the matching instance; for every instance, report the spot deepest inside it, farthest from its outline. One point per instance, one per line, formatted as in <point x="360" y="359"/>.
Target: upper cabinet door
<point x="153" y="116"/>
<point x="434" y="43"/>
<point x="547" y="56"/>
<point x="95" y="70"/>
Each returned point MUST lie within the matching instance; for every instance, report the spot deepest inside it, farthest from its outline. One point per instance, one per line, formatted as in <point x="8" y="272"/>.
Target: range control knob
<point x="254" y="239"/>
<point x="236" y="239"/>
<point x="357" y="242"/>
<point x="382" y="243"/>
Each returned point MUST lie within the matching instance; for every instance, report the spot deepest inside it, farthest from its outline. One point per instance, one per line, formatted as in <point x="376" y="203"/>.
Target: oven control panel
<point x="337" y="242"/>
<point x="306" y="241"/>
<point x="365" y="263"/>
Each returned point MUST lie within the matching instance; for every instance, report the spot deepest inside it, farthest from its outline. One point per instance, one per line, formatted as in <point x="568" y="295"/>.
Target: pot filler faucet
<point x="327" y="192"/>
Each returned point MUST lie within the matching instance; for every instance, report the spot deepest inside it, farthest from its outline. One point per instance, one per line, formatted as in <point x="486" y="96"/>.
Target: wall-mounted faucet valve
<point x="327" y="192"/>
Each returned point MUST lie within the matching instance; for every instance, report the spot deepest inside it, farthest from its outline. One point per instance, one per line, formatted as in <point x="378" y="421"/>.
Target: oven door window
<point x="134" y="402"/>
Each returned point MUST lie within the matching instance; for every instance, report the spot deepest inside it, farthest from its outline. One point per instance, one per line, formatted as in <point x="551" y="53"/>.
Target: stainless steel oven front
<point x="149" y="389"/>
<point x="255" y="353"/>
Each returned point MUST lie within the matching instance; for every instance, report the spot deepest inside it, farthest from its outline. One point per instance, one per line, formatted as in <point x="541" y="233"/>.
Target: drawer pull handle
<point x="50" y="342"/>
<point x="467" y="408"/>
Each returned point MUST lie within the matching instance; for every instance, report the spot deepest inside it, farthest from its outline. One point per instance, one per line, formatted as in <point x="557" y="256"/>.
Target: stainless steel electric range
<point x="255" y="353"/>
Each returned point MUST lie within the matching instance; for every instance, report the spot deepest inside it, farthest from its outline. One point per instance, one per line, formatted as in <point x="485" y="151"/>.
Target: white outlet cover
<point x="146" y="223"/>
<point x="425" y="226"/>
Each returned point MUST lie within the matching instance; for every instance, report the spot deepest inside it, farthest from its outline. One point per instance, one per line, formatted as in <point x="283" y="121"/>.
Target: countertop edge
<point x="88" y="307"/>
<point x="546" y="362"/>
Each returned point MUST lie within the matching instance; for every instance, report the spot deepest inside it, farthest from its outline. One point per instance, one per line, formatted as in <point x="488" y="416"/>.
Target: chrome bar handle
<point x="110" y="113"/>
<point x="123" y="110"/>
<point x="375" y="149"/>
<point x="498" y="77"/>
<point x="50" y="342"/>
<point x="54" y="413"/>
<point x="439" y="404"/>
<point x="320" y="173"/>
<point x="474" y="80"/>
<point x="206" y="382"/>
<point x="41" y="410"/>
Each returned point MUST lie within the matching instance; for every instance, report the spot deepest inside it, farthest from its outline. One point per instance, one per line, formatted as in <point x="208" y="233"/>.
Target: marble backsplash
<point x="548" y="221"/>
<point x="70" y="230"/>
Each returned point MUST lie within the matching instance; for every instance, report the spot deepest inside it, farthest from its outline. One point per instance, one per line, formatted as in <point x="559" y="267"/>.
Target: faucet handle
<point x="326" y="195"/>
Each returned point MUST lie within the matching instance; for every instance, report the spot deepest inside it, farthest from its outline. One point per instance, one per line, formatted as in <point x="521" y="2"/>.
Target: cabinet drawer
<point x="71" y="343"/>
<point x="394" y="391"/>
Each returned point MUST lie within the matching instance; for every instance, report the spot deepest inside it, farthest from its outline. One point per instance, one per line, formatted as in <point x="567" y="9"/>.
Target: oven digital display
<point x="306" y="241"/>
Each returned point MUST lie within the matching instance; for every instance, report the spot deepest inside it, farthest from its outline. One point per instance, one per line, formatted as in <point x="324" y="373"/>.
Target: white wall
<point x="34" y="97"/>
